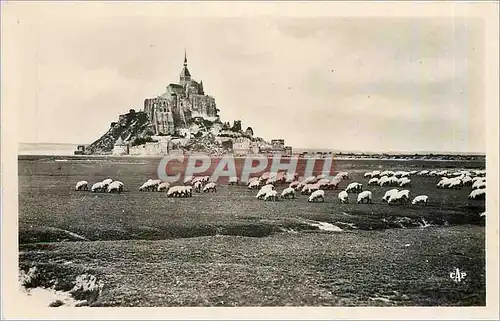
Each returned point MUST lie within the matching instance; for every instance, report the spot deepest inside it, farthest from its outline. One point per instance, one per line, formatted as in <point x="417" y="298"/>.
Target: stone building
<point x="179" y="104"/>
<point x="278" y="148"/>
<point x="278" y="144"/>
<point x="242" y="146"/>
<point x="120" y="147"/>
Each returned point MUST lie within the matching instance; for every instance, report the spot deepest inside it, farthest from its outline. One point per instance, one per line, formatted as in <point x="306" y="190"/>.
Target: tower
<point x="185" y="76"/>
<point x="200" y="88"/>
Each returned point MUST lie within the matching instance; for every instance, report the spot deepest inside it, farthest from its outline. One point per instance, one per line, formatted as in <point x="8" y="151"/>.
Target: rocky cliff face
<point x="133" y="127"/>
<point x="201" y="135"/>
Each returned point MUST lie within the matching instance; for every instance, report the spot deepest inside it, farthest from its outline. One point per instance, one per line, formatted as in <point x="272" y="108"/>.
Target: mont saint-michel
<point x="183" y="119"/>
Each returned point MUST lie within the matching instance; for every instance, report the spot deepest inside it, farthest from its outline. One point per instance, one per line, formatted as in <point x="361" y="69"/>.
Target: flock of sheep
<point x="315" y="186"/>
<point x="107" y="185"/>
<point x="199" y="184"/>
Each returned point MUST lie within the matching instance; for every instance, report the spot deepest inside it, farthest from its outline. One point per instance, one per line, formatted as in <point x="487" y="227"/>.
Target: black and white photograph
<point x="176" y="155"/>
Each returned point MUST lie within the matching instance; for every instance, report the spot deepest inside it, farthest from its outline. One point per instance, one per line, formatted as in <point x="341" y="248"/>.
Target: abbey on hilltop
<point x="180" y="104"/>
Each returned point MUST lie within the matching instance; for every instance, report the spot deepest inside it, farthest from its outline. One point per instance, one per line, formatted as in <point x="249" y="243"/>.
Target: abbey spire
<point x="185" y="76"/>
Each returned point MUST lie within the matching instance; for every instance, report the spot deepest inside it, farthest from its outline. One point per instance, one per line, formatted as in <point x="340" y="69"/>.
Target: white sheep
<point x="387" y="173"/>
<point x="265" y="176"/>
<point x="323" y="181"/>
<point x="115" y="187"/>
<point x="368" y="174"/>
<point x="210" y="187"/>
<point x="106" y="182"/>
<point x="455" y="183"/>
<point x="413" y="173"/>
<point x="252" y="179"/>
<point x="310" y="180"/>
<point x="443" y="182"/>
<point x="164" y="186"/>
<point x="467" y="180"/>
<point x="420" y="199"/>
<point x="343" y="175"/>
<point x="394" y="181"/>
<point x="343" y="197"/>
<point x="404" y="182"/>
<point x="271" y="186"/>
<point x="188" y="180"/>
<point x="388" y="194"/>
<point x="383" y="181"/>
<point x="120" y="188"/>
<point x="316" y="196"/>
<point x="478" y="178"/>
<point x="82" y="186"/>
<point x="373" y="181"/>
<point x="188" y="190"/>
<point x="150" y="185"/>
<point x="388" y="181"/>
<point x="479" y="185"/>
<point x="365" y="196"/>
<point x="200" y="179"/>
<point x="290" y="177"/>
<point x="400" y="174"/>
<point x="309" y="188"/>
<point x="263" y="191"/>
<point x="354" y="188"/>
<point x="155" y="183"/>
<point x="145" y="186"/>
<point x="271" y="195"/>
<point x="481" y="173"/>
<point x="254" y="185"/>
<point x="405" y="174"/>
<point x="297" y="186"/>
<point x="180" y="191"/>
<point x="375" y="174"/>
<point x="333" y="184"/>
<point x="442" y="173"/>
<point x="423" y="173"/>
<point x="288" y="192"/>
<point x="280" y="177"/>
<point x="433" y="173"/>
<point x="233" y="180"/>
<point x="174" y="191"/>
<point x="478" y="194"/>
<point x="402" y="196"/>
<point x="271" y="180"/>
<point x="197" y="186"/>
<point x="97" y="187"/>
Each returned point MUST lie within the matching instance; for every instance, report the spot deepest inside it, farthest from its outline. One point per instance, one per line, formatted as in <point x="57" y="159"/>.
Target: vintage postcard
<point x="277" y="160"/>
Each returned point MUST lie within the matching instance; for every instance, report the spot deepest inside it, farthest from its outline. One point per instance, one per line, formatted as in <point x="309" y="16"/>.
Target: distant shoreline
<point x="67" y="149"/>
<point x="451" y="158"/>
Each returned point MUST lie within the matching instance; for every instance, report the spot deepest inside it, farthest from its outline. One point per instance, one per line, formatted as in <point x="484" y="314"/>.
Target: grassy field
<point x="230" y="249"/>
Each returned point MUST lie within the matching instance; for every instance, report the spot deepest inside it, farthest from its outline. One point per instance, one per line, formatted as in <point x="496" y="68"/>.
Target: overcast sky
<point x="376" y="84"/>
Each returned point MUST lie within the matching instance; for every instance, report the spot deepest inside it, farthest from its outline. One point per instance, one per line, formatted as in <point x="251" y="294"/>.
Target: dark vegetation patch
<point x="392" y="267"/>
